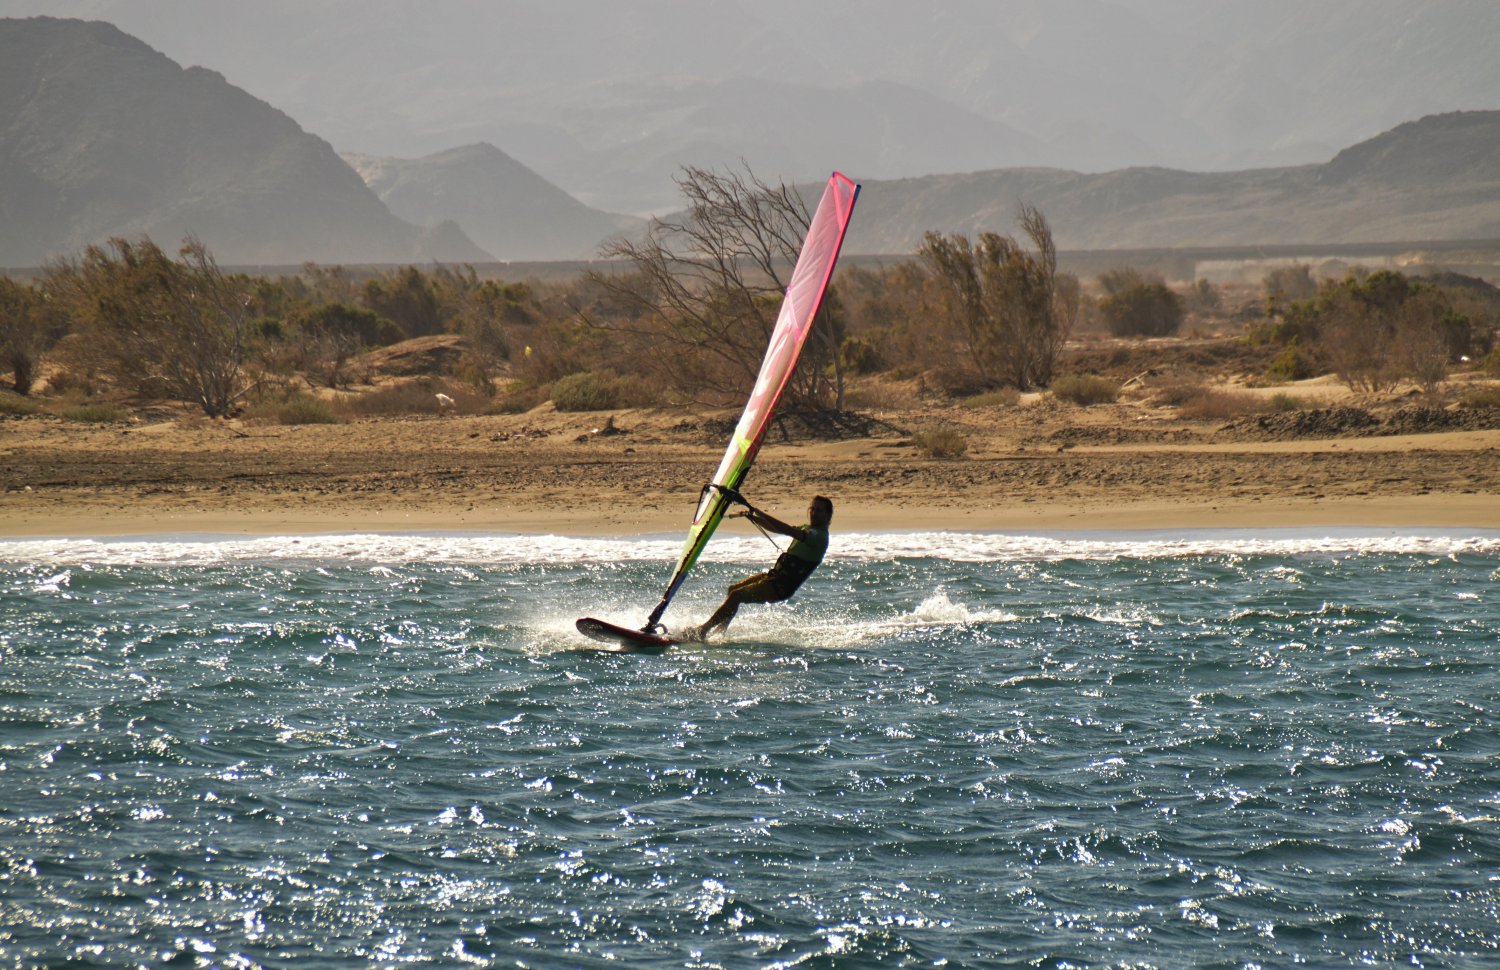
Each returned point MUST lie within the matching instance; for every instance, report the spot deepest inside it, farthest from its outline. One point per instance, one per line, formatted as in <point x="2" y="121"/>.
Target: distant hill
<point x="1433" y="179"/>
<point x="102" y="136"/>
<point x="504" y="206"/>
<point x="780" y="129"/>
<point x="607" y="100"/>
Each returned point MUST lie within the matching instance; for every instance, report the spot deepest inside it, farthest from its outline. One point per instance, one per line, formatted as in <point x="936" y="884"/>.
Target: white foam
<point x="488" y="550"/>
<point x="832" y="629"/>
<point x="940" y="609"/>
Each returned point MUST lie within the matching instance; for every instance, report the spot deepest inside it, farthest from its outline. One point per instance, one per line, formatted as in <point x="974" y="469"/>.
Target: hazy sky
<point x="609" y="98"/>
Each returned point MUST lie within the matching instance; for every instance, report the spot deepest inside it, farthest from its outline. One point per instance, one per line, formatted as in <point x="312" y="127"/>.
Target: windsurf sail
<point x="799" y="307"/>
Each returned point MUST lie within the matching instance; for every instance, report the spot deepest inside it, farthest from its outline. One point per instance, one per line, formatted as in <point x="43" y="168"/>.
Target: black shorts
<point x="768" y="587"/>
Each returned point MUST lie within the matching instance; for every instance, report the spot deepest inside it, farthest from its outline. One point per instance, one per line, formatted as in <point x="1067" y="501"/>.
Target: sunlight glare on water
<point x="1250" y="749"/>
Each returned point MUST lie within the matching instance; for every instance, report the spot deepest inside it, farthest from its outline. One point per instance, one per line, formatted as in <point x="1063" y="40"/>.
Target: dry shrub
<point x="1292" y="364"/>
<point x="467" y="399"/>
<point x="1015" y="308"/>
<point x="1481" y="397"/>
<point x="305" y="409"/>
<point x="475" y="374"/>
<point x="955" y="382"/>
<point x="1004" y="397"/>
<point x="1211" y="405"/>
<point x="416" y="397"/>
<point x="881" y="396"/>
<point x="95" y="414"/>
<point x="75" y="375"/>
<point x="518" y="398"/>
<point x="1281" y="403"/>
<point x="1141" y="307"/>
<point x="597" y="391"/>
<point x="292" y="408"/>
<point x="1085" y="389"/>
<point x="862" y="355"/>
<point x="196" y="421"/>
<point x="1176" y="394"/>
<point x="173" y="328"/>
<point x="940" y="443"/>
<point x="705" y="288"/>
<point x="14" y="405"/>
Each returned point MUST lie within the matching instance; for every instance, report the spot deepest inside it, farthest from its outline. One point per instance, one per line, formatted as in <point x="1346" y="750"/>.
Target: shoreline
<point x="20" y="519"/>
<point x="1041" y="468"/>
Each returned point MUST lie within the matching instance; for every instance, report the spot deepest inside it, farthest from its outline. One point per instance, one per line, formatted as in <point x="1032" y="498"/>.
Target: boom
<point x="799" y="307"/>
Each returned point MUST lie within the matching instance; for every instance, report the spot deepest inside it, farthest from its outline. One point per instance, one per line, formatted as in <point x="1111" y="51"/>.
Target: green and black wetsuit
<point x="798" y="562"/>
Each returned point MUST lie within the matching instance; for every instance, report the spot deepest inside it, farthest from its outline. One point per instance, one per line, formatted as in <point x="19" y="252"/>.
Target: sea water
<point x="1204" y="749"/>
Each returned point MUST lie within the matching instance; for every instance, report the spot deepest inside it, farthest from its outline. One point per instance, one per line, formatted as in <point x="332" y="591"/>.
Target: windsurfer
<point x="809" y="543"/>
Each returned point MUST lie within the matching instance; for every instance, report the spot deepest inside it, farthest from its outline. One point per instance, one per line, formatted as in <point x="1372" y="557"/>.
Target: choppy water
<point x="1213" y="750"/>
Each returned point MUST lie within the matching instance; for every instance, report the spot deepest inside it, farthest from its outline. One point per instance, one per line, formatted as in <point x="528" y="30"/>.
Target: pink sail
<point x="799" y="307"/>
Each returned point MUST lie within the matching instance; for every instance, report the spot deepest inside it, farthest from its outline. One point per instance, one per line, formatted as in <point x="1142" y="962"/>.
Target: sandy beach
<point x="1043" y="467"/>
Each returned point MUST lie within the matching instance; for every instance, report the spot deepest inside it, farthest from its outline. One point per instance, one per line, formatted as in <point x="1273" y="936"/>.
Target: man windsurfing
<point x="809" y="543"/>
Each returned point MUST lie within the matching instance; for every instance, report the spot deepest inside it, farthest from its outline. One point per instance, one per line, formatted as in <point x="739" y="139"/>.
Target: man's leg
<point x="721" y="617"/>
<point x="740" y="593"/>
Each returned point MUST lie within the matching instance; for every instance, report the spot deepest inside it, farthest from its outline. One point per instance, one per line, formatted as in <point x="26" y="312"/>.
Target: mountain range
<point x="101" y="136"/>
<point x="511" y="211"/>
<point x="608" y="99"/>
<point x="1437" y="178"/>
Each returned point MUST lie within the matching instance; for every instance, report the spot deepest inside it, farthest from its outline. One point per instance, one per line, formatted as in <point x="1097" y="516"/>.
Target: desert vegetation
<point x="1085" y="389"/>
<point x="1376" y="330"/>
<point x="164" y="327"/>
<point x="1013" y="310"/>
<point x="940" y="443"/>
<point x="681" y="316"/>
<point x="1136" y="304"/>
<point x="697" y="308"/>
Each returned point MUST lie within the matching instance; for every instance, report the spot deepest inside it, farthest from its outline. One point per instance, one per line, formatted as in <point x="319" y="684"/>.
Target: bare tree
<point x="28" y="329"/>
<point x="1139" y="305"/>
<point x="1354" y="340"/>
<point x="176" y="328"/>
<point x="1384" y="329"/>
<point x="1014" y="314"/>
<point x="1420" y="348"/>
<point x="324" y="339"/>
<point x="706" y="289"/>
<point x="1288" y="284"/>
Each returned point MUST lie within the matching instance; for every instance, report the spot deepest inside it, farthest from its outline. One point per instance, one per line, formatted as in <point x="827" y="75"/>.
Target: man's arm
<point x="773" y="524"/>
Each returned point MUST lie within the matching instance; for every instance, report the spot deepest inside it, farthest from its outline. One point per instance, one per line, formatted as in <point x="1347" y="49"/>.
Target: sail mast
<point x="799" y="308"/>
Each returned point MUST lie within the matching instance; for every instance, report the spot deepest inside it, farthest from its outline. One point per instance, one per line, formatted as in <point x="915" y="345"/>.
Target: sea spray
<point x="977" y="547"/>
<point x="1255" y="748"/>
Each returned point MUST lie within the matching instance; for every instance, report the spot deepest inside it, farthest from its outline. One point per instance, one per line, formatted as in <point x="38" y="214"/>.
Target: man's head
<point x="820" y="512"/>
